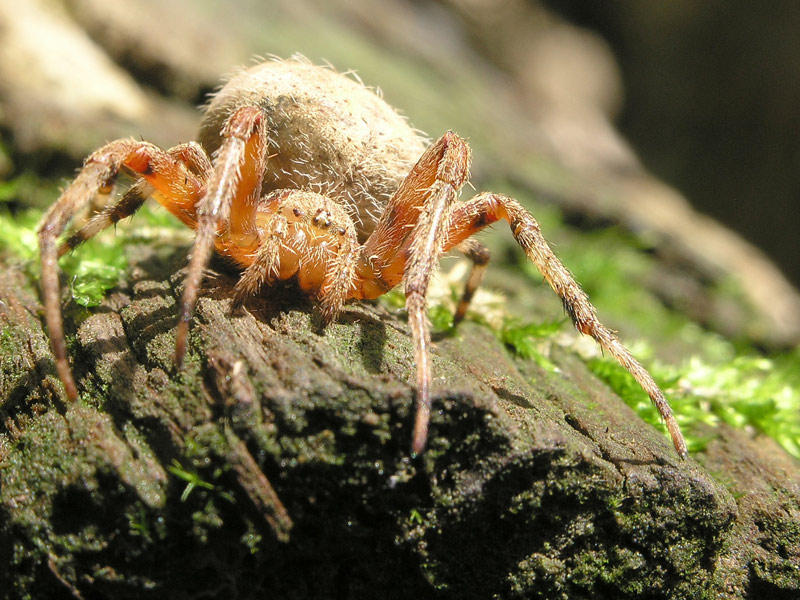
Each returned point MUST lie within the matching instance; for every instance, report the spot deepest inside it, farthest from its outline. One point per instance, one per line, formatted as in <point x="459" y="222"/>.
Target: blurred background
<point x="712" y="105"/>
<point x="639" y="114"/>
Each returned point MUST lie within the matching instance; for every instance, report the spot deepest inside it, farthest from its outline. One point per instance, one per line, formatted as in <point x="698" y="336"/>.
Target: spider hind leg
<point x="479" y="255"/>
<point x="486" y="208"/>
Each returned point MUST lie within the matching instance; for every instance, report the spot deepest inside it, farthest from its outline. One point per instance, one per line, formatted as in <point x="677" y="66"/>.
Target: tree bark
<point x="277" y="463"/>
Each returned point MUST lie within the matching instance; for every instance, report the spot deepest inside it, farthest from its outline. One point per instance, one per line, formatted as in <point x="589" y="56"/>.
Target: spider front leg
<point x="407" y="244"/>
<point x="158" y="172"/>
<point x="226" y="214"/>
<point x="486" y="208"/>
<point x="178" y="199"/>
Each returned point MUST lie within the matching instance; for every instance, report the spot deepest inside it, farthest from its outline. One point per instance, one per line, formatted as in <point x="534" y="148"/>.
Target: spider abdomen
<point x="327" y="133"/>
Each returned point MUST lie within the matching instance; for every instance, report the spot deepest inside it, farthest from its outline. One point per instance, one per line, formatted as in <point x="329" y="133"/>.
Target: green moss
<point x="18" y="233"/>
<point x="8" y="341"/>
<point x="525" y="338"/>
<point x="746" y="390"/>
<point x="96" y="266"/>
<point x="192" y="478"/>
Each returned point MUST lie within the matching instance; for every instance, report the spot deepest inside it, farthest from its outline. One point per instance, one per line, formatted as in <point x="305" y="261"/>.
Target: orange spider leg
<point x="406" y="246"/>
<point x="342" y="254"/>
<point x="384" y="255"/>
<point x="251" y="174"/>
<point x="176" y="189"/>
<point x="486" y="208"/>
<point x="275" y="258"/>
<point x="479" y="255"/>
<point x="226" y="214"/>
<point x="175" y="185"/>
<point x="160" y="169"/>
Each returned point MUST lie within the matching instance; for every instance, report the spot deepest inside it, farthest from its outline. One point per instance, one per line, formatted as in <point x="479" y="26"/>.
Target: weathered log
<point x="277" y="463"/>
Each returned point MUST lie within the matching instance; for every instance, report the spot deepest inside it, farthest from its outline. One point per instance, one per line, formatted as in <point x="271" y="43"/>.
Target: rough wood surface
<point x="535" y="482"/>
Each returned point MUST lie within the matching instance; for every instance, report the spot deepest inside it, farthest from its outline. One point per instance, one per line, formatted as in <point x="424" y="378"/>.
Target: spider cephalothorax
<point x="301" y="172"/>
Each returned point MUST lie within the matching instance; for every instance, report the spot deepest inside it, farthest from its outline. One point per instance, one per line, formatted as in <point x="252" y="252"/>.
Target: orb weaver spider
<point x="302" y="173"/>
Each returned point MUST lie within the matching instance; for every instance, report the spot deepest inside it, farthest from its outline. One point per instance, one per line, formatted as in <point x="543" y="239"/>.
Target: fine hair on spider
<point x="302" y="173"/>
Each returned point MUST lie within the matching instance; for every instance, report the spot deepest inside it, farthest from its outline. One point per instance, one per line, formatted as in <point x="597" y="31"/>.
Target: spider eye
<point x="322" y="218"/>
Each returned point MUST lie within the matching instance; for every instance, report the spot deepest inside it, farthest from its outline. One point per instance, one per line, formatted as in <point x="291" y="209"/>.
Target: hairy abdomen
<point x="328" y="134"/>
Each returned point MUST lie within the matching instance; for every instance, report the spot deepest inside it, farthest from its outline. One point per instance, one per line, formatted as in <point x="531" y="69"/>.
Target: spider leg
<point x="339" y="275"/>
<point x="486" y="208"/>
<point x="226" y="215"/>
<point x="130" y="202"/>
<point x="156" y="168"/>
<point x="479" y="255"/>
<point x="407" y="243"/>
<point x="179" y="199"/>
<point x="267" y="262"/>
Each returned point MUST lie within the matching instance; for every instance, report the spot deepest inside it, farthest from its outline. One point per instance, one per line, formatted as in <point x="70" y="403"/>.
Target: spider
<point x="303" y="173"/>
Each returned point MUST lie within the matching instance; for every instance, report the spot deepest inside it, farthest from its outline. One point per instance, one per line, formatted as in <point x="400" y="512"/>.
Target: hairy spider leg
<point x="226" y="213"/>
<point x="179" y="196"/>
<point x="275" y="258"/>
<point x="479" y="255"/>
<point x="340" y="269"/>
<point x="406" y="246"/>
<point x="129" y="203"/>
<point x="165" y="174"/>
<point x="470" y="217"/>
